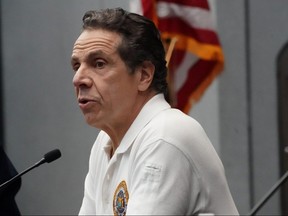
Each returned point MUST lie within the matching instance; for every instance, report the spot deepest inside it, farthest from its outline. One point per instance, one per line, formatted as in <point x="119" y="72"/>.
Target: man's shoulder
<point x="175" y="120"/>
<point x="173" y="126"/>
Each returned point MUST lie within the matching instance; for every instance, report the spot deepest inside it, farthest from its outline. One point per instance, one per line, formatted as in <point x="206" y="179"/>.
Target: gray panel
<point x="41" y="112"/>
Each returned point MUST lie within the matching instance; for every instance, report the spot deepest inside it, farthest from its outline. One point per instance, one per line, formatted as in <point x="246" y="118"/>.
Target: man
<point x="148" y="158"/>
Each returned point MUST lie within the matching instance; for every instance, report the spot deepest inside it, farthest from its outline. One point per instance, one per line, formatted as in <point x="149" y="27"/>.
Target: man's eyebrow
<point x="75" y="58"/>
<point x="95" y="53"/>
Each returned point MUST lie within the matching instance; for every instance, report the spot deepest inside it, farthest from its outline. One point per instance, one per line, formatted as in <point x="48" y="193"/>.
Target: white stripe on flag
<point x="193" y="16"/>
<point x="181" y="72"/>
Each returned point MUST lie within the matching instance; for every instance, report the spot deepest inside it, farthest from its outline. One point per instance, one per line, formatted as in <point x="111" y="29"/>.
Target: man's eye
<point x="75" y="66"/>
<point x="99" y="64"/>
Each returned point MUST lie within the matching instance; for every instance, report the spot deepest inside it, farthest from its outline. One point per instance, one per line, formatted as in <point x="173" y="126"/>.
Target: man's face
<point x="105" y="90"/>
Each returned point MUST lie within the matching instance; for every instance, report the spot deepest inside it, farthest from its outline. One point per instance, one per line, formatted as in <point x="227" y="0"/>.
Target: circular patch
<point x="120" y="199"/>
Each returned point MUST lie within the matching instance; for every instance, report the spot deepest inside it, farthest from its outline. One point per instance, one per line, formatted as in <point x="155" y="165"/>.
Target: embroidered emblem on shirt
<point x="120" y="199"/>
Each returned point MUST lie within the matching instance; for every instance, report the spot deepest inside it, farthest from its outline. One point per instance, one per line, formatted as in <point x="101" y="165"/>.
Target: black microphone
<point x="47" y="158"/>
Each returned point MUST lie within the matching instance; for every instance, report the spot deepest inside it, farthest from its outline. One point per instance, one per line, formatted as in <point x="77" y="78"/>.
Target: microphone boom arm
<point x="48" y="157"/>
<point x="5" y="184"/>
<point x="269" y="194"/>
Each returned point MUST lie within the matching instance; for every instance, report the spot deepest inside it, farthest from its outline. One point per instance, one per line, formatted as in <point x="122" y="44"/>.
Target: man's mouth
<point x="86" y="102"/>
<point x="83" y="101"/>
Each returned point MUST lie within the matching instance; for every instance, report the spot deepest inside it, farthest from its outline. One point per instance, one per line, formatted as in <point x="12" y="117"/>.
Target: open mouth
<point x="83" y="101"/>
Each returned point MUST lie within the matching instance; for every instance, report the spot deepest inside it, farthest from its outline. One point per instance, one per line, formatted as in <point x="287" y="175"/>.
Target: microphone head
<point x="52" y="155"/>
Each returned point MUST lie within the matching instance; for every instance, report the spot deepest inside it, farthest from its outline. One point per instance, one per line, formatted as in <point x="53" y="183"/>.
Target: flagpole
<point x="172" y="97"/>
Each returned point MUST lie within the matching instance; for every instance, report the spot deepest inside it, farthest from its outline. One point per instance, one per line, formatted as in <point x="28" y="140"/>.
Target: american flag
<point x="197" y="56"/>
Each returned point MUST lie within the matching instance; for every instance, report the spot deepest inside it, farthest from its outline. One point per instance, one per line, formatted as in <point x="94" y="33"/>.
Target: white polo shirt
<point x="164" y="165"/>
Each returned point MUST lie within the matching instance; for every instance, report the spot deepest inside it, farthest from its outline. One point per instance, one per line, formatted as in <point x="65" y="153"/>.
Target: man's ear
<point x="146" y="71"/>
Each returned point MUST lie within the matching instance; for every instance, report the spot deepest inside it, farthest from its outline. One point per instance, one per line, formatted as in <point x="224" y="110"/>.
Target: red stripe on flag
<point x="175" y="61"/>
<point x="192" y="3"/>
<point x="197" y="74"/>
<point x="177" y="25"/>
<point x="149" y="10"/>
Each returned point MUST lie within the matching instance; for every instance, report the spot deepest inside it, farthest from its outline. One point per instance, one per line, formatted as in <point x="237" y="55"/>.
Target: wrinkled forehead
<point x="104" y="40"/>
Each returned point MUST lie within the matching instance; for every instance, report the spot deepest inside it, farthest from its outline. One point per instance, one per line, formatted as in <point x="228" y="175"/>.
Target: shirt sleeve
<point x="162" y="182"/>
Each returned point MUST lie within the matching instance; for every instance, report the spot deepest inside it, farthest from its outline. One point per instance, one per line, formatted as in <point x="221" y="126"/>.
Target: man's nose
<point x="81" y="78"/>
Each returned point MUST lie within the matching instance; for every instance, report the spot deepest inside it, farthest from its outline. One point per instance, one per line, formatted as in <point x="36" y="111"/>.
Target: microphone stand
<point x="5" y="184"/>
<point x="269" y="194"/>
<point x="48" y="158"/>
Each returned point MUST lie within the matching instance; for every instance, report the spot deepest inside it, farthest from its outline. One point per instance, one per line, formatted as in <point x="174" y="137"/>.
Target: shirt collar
<point x="155" y="105"/>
